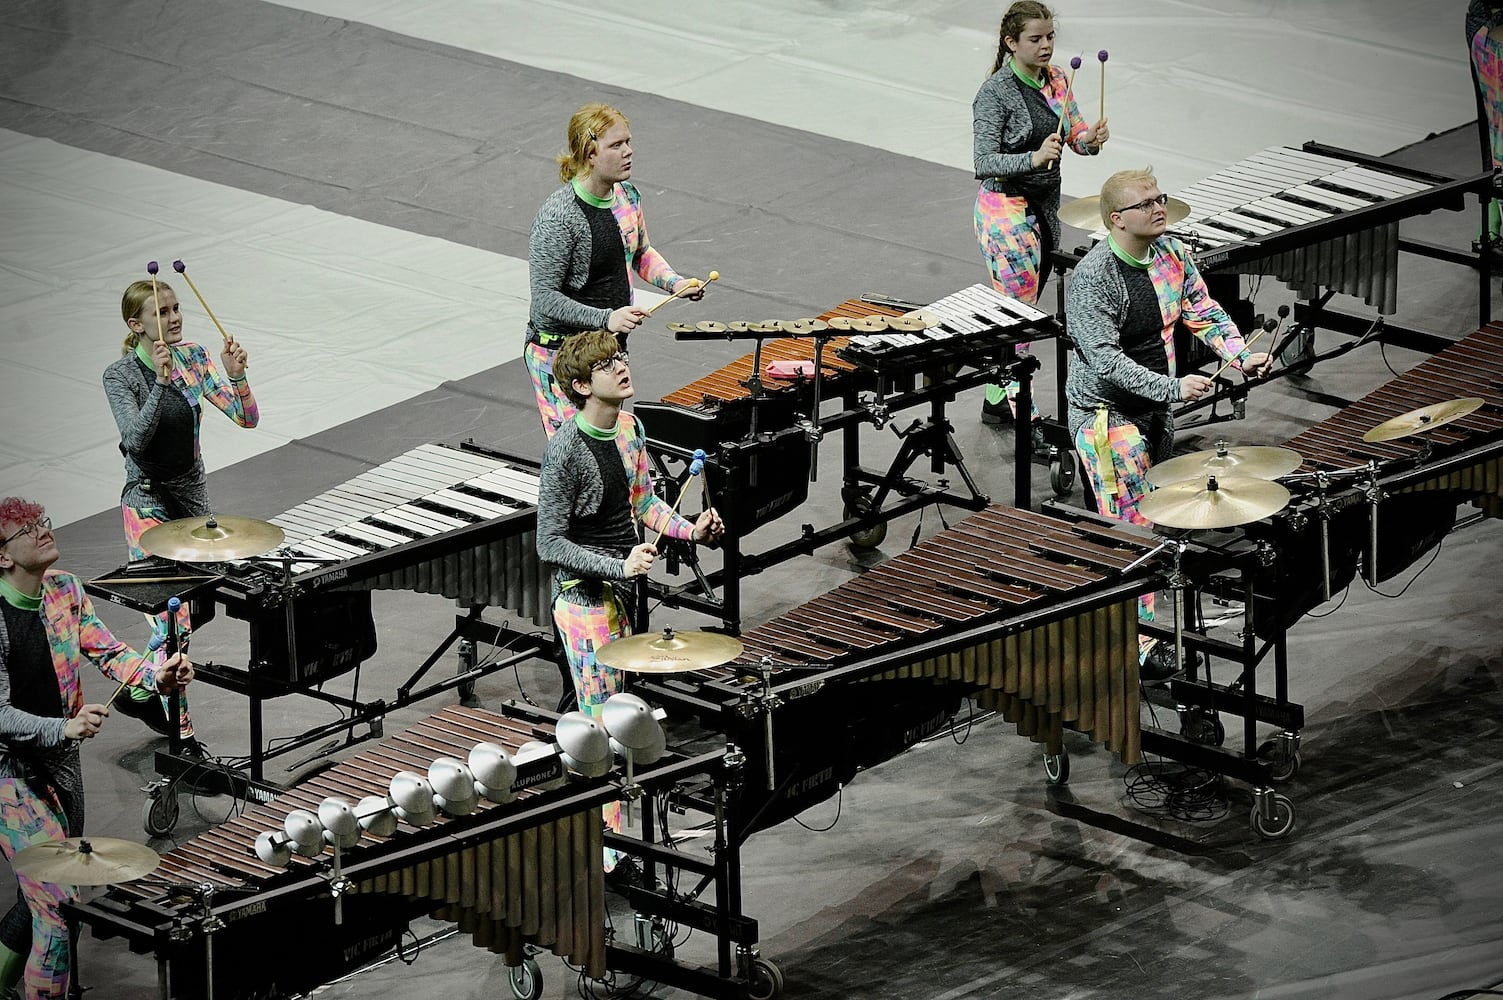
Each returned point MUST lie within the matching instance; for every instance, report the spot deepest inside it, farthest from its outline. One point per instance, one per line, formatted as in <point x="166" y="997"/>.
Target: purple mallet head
<point x="179" y="266"/>
<point x="151" y="267"/>
<point x="1101" y="55"/>
<point x="696" y="467"/>
<point x="1075" y="62"/>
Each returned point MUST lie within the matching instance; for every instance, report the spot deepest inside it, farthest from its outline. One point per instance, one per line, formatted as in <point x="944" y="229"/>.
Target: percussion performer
<point x="577" y="273"/>
<point x="1484" y="33"/>
<point x="1019" y="138"/>
<point x="47" y="629"/>
<point x="158" y="417"/>
<point x="1121" y="306"/>
<point x="595" y="487"/>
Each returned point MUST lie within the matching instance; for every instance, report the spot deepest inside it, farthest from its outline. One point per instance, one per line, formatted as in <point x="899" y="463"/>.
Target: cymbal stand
<point x="1177" y="582"/>
<point x="1323" y="511"/>
<point x="767" y="703"/>
<point x="338" y="884"/>
<point x="203" y="898"/>
<point x="1374" y="496"/>
<point x="811" y="426"/>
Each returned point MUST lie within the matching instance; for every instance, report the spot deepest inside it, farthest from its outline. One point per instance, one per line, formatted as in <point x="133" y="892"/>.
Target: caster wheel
<point x="526" y="980"/>
<point x="1061" y="473"/>
<point x="159" y="814"/>
<point x="870" y="537"/>
<point x="1202" y="728"/>
<point x="1282" y="823"/>
<point x="765" y="981"/>
<point x="1281" y="765"/>
<point x="1057" y="768"/>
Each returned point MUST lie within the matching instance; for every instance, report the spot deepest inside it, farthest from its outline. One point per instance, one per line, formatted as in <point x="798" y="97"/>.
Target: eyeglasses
<point x="1147" y="204"/>
<point x="34" y="528"/>
<point x="618" y="360"/>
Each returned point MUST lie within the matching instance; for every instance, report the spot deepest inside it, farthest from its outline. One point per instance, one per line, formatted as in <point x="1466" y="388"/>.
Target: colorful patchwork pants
<point x="1118" y="471"/>
<point x="137" y="521"/>
<point x="27" y="818"/>
<point x="585" y="628"/>
<point x="1012" y="245"/>
<point x="553" y="405"/>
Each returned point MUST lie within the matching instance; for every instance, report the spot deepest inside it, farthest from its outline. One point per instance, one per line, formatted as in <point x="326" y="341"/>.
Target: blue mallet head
<point x="173" y="604"/>
<point x="699" y="454"/>
<point x="696" y="467"/>
<point x="156" y="643"/>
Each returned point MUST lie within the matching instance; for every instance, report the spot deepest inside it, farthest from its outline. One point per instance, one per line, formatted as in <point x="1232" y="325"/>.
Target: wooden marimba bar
<point x="1465" y="455"/>
<point x="1062" y="645"/>
<point x="526" y="872"/>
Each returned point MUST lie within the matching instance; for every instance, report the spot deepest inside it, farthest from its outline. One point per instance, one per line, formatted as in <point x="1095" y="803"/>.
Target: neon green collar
<point x="590" y="199"/>
<point x="18" y="600"/>
<point x="598" y="434"/>
<point x="1128" y="258"/>
<point x="1034" y="82"/>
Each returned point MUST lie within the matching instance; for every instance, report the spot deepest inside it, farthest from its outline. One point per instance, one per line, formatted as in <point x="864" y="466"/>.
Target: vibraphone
<point x="1032" y="614"/>
<point x="527" y="873"/>
<point x="757" y="478"/>
<point x="456" y="521"/>
<point x="1315" y="217"/>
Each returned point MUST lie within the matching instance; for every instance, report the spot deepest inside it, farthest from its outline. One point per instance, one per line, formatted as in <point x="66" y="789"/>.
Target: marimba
<point x="1034" y="615"/>
<point x="525" y="873"/>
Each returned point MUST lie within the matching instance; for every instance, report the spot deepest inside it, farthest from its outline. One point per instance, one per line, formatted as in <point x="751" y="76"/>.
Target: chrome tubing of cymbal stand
<point x="768" y="703"/>
<point x="1374" y="497"/>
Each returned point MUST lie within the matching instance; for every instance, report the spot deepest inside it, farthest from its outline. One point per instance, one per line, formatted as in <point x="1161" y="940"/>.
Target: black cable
<point x="1433" y="556"/>
<point x="1326" y="614"/>
<point x="839" y="804"/>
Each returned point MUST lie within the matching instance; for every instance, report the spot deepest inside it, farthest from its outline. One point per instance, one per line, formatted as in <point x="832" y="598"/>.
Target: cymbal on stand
<point x="214" y="538"/>
<point x="1085" y="213"/>
<point x="1214" y="502"/>
<point x="86" y="861"/>
<point x="669" y="652"/>
<point x="1426" y="418"/>
<point x="1258" y="462"/>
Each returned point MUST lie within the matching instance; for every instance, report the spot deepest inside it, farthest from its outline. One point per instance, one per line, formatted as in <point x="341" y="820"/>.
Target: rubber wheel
<point x="1061" y="473"/>
<point x="1057" y="768"/>
<point x="1281" y="766"/>
<point x="526" y="980"/>
<point x="1282" y="823"/>
<point x="160" y="812"/>
<point x="865" y="538"/>
<point x="765" y="980"/>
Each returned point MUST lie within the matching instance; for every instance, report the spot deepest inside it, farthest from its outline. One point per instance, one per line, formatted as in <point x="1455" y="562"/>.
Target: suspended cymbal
<point x="669" y="652"/>
<point x="86" y="861"/>
<point x="211" y="539"/>
<point x="1085" y="213"/>
<point x="1426" y="418"/>
<point x="1213" y="502"/>
<point x="1257" y="462"/>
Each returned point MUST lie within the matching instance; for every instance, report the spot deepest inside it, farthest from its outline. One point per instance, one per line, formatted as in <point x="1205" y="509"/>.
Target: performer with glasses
<point x="158" y="416"/>
<point x="47" y="630"/>
<point x="594" y="492"/>
<point x="1121" y="306"/>
<point x="577" y="272"/>
<point x="1018" y="140"/>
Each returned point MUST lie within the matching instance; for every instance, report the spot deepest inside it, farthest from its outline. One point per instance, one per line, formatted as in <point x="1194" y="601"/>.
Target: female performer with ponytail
<point x="156" y="390"/>
<point x="1018" y="142"/>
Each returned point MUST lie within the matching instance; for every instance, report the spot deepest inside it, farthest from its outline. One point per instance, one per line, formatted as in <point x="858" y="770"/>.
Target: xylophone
<point x="524" y="873"/>
<point x="966" y="326"/>
<point x="1032" y="614"/>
